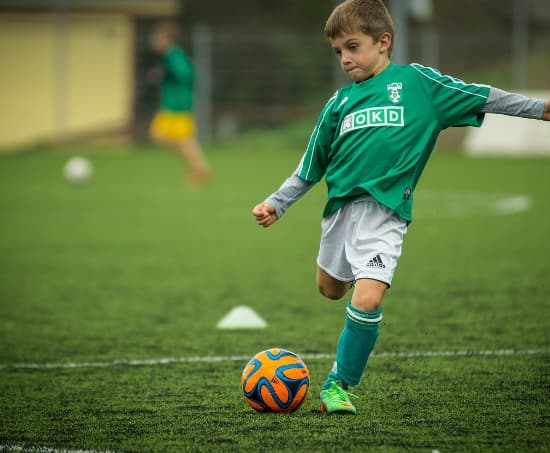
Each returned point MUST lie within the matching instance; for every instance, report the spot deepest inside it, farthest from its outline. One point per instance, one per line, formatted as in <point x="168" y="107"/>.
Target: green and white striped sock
<point x="355" y="344"/>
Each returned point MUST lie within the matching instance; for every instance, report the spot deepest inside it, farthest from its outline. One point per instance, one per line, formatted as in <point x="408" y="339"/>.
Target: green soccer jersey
<point x="177" y="82"/>
<point x="376" y="136"/>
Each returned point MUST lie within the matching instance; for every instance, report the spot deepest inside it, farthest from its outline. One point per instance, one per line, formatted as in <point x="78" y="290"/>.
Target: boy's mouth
<point x="353" y="72"/>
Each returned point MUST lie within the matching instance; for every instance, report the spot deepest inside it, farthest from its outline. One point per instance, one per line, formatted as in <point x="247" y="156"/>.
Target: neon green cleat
<point x="335" y="400"/>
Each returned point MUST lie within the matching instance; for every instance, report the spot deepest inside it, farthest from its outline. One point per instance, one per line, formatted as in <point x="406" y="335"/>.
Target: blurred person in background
<point x="174" y="124"/>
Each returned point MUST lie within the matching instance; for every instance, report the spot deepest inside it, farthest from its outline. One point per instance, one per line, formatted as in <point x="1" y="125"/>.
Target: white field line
<point x="243" y="358"/>
<point x="46" y="449"/>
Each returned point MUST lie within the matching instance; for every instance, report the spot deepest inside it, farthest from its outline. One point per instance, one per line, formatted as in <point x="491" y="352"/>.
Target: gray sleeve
<point x="513" y="104"/>
<point x="290" y="191"/>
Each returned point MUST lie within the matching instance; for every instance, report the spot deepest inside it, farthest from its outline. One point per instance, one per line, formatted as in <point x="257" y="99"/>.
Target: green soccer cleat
<point x="335" y="400"/>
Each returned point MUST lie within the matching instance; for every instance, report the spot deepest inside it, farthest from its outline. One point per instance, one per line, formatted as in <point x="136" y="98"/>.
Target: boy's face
<point x="160" y="41"/>
<point x="360" y="57"/>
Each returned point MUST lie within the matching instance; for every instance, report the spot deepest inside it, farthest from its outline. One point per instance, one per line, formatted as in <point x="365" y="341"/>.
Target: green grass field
<point x="134" y="266"/>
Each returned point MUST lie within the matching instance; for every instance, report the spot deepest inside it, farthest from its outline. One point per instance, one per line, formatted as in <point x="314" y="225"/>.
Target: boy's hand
<point x="546" y="114"/>
<point x="265" y="214"/>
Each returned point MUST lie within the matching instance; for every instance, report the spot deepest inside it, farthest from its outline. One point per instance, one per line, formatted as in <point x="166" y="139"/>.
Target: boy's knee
<point x="330" y="287"/>
<point x="331" y="291"/>
<point x="368" y="295"/>
<point x="367" y="303"/>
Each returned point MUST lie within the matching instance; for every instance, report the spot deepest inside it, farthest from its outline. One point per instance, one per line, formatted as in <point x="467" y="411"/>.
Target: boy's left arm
<point x="513" y="104"/>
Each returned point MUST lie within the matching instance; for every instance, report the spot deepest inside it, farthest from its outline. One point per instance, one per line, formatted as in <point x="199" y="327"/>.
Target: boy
<point x="174" y="124"/>
<point x="371" y="142"/>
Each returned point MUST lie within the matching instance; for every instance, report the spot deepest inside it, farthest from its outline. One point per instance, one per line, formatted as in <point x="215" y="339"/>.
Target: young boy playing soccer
<point x="371" y="143"/>
<point x="174" y="123"/>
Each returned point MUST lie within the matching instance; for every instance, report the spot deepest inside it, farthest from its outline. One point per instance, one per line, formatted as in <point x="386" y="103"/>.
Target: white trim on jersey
<point x="314" y="140"/>
<point x="417" y="67"/>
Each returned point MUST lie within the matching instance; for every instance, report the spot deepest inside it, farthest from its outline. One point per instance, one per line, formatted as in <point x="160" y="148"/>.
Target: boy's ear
<point x="385" y="41"/>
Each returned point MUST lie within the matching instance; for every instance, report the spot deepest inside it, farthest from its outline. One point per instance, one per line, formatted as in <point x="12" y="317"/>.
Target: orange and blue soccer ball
<point x="275" y="380"/>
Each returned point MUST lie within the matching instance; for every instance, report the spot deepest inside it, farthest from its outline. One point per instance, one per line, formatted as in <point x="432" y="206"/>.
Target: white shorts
<point x="361" y="240"/>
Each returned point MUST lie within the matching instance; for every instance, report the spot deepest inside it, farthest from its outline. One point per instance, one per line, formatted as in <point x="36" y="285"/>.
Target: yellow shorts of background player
<point x="173" y="126"/>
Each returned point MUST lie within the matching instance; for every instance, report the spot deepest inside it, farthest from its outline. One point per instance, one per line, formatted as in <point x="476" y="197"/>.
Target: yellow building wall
<point x="62" y="76"/>
<point x="26" y="74"/>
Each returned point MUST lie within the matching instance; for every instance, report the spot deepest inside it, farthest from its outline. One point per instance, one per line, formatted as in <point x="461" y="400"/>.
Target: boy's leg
<point x="199" y="171"/>
<point x="373" y="238"/>
<point x="177" y="131"/>
<point x="330" y="287"/>
<point x="357" y="340"/>
<point x="368" y="294"/>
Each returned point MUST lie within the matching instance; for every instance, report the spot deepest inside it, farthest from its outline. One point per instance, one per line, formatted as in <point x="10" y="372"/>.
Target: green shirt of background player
<point x="371" y="143"/>
<point x="176" y="90"/>
<point x="174" y="123"/>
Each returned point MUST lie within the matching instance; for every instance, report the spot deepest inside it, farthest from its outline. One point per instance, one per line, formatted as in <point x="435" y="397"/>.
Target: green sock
<point x="355" y="344"/>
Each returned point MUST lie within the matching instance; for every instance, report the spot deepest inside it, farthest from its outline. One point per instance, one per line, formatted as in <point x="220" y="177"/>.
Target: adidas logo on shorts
<point x="376" y="262"/>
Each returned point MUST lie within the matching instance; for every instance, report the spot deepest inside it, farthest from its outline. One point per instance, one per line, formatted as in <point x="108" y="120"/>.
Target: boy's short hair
<point x="368" y="16"/>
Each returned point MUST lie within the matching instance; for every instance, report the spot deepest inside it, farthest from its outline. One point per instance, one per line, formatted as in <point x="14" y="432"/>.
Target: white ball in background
<point x="78" y="169"/>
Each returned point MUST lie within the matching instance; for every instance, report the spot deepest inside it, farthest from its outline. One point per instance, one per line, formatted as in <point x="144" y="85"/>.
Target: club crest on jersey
<point x="394" y="91"/>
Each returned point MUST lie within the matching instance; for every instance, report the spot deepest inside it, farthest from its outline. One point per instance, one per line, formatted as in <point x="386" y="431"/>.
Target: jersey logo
<point x="373" y="117"/>
<point x="376" y="262"/>
<point x="346" y="99"/>
<point x="394" y="91"/>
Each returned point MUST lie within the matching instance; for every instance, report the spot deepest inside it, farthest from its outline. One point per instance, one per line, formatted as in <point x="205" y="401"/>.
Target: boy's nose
<point x="345" y="58"/>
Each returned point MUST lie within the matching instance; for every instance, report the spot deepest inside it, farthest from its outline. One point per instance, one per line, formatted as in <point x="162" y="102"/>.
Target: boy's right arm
<point x="310" y="171"/>
<point x="273" y="208"/>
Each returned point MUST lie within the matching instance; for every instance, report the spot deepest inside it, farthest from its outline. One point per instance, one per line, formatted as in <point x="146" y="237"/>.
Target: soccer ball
<point x="275" y="380"/>
<point x="78" y="170"/>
